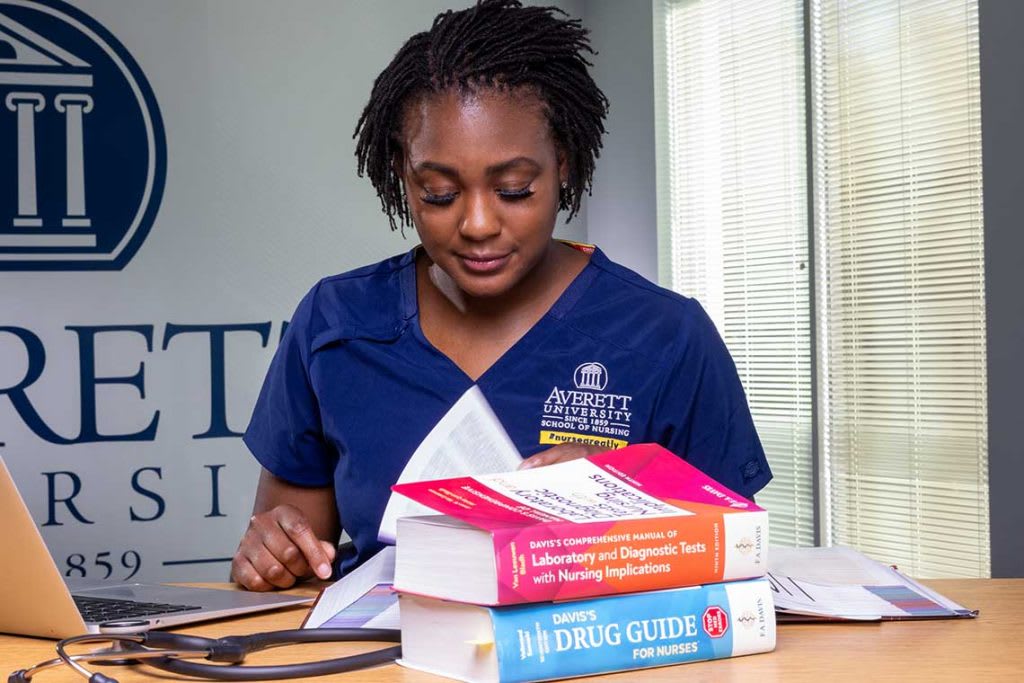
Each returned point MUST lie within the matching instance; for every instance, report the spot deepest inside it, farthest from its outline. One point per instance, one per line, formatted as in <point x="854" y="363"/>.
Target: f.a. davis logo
<point x="592" y="376"/>
<point x="745" y="546"/>
<point x="747" y="620"/>
<point x="85" y="162"/>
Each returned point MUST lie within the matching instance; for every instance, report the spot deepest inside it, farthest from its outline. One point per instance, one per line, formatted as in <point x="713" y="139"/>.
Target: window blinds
<point x="733" y="232"/>
<point x="900" y="281"/>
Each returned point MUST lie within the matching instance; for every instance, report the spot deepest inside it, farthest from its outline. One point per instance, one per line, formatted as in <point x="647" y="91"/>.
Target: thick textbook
<point x="636" y="519"/>
<point x="582" y="637"/>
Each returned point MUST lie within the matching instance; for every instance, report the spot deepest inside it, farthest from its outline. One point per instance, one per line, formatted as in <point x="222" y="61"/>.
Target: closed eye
<point x="516" y="195"/>
<point x="439" y="199"/>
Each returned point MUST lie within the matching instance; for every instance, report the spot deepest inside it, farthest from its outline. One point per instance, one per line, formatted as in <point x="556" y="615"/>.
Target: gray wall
<point x="622" y="215"/>
<point x="1002" y="114"/>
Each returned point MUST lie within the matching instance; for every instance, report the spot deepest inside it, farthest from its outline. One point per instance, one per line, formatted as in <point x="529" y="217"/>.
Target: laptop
<point x="36" y="601"/>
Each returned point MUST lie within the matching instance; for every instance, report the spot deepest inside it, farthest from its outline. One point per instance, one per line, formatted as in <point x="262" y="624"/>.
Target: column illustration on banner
<point x="73" y="106"/>
<point x="18" y="70"/>
<point x="82" y="189"/>
<point x="26" y="104"/>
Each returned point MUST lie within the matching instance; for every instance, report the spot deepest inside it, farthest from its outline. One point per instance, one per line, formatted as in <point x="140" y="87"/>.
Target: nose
<point x="480" y="221"/>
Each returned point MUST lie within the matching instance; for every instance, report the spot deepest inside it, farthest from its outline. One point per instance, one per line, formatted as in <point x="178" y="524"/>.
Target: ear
<point x="563" y="166"/>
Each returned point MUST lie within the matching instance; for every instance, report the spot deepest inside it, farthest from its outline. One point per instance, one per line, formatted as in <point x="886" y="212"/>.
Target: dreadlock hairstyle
<point x="495" y="44"/>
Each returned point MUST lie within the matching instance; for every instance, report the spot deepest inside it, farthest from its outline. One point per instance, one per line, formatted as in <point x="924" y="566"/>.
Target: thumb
<point x="539" y="459"/>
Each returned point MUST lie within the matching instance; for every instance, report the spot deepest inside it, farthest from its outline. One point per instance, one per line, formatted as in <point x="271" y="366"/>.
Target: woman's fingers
<point x="561" y="453"/>
<point x="278" y="549"/>
<point x="299" y="534"/>
<point x="246" y="575"/>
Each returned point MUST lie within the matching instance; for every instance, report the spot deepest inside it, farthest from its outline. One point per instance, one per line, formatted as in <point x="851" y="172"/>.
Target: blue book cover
<point x="544" y="641"/>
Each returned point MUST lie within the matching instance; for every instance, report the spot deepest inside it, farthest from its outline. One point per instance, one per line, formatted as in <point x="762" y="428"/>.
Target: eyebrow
<point x="493" y="169"/>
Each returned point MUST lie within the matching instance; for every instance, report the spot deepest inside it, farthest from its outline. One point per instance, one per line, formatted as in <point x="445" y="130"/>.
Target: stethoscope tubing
<point x="232" y="672"/>
<point x="169" y="652"/>
<point x="24" y="675"/>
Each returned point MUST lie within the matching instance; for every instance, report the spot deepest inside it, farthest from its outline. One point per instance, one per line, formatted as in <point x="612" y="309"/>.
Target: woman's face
<point x="482" y="177"/>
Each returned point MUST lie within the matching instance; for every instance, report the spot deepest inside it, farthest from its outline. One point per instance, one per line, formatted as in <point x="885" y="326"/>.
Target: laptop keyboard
<point x="98" y="610"/>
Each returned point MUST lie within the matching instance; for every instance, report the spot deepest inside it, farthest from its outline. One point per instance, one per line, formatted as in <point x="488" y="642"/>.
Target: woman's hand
<point x="278" y="549"/>
<point x="292" y="535"/>
<point x="561" y="453"/>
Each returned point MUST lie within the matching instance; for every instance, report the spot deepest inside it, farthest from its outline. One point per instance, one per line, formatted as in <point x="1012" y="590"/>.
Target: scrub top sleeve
<point x="704" y="411"/>
<point x="285" y="432"/>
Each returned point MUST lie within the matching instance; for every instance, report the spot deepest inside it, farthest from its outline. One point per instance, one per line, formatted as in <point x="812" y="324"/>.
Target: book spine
<point x="559" y="561"/>
<point x="617" y="633"/>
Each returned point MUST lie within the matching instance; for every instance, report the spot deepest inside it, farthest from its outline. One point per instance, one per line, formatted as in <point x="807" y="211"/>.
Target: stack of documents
<point x="842" y="584"/>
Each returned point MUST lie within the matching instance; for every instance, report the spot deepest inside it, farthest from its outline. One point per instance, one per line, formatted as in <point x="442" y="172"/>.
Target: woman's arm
<point x="292" y="535"/>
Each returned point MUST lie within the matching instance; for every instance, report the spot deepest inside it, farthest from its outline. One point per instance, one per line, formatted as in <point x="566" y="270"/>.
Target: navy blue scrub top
<point x="355" y="386"/>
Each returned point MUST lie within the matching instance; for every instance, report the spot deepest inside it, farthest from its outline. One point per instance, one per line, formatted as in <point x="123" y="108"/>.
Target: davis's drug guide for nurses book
<point x="581" y="637"/>
<point x="636" y="519"/>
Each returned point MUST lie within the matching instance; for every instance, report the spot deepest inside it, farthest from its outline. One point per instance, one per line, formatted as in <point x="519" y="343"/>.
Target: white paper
<point x="832" y="565"/>
<point x="846" y="602"/>
<point x="842" y="583"/>
<point x="378" y="571"/>
<point x="468" y="440"/>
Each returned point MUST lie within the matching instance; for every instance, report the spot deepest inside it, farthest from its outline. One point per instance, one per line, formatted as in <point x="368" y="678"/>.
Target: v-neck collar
<point x="526" y="344"/>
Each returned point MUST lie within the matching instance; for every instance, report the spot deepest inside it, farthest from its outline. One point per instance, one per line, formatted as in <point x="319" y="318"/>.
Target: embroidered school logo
<point x="82" y="182"/>
<point x="587" y="414"/>
<point x="591" y="376"/>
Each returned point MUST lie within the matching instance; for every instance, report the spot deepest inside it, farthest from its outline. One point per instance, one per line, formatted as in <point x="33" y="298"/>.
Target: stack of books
<point x="624" y="560"/>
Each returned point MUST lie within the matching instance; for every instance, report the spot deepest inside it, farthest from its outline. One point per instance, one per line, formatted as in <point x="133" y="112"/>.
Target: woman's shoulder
<point x="369" y="301"/>
<point x="626" y="309"/>
<point x="368" y="277"/>
<point x="620" y="287"/>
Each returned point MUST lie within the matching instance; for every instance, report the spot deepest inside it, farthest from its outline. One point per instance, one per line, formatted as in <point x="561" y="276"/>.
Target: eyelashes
<point x="439" y="199"/>
<point x="513" y="195"/>
<point x="449" y="197"/>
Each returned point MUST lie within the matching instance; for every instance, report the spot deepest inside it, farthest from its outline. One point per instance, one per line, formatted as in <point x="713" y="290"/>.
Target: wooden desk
<point x="988" y="648"/>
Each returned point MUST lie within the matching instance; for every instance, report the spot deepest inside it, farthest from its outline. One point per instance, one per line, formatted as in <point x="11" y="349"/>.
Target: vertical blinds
<point x="900" y="281"/>
<point x="732" y="177"/>
<point x="899" y="272"/>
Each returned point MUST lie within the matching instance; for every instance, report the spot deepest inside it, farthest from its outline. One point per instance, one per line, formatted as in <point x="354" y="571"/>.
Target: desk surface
<point x="987" y="648"/>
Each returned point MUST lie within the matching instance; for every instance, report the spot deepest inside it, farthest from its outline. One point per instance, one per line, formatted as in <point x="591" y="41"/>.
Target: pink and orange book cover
<point x="634" y="519"/>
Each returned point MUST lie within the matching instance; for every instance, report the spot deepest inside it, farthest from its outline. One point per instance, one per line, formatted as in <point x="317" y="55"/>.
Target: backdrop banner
<point x="176" y="176"/>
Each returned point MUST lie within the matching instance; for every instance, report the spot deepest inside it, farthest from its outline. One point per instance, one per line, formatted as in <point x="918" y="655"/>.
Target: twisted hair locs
<point x="496" y="44"/>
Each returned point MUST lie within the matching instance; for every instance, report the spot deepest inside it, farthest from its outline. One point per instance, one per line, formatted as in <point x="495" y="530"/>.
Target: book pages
<point x="362" y="599"/>
<point x="469" y="439"/>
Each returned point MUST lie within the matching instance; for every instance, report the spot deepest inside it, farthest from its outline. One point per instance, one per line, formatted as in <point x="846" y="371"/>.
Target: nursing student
<point x="476" y="135"/>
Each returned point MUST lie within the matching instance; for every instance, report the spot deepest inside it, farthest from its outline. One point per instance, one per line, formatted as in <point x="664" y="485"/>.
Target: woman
<point x="477" y="133"/>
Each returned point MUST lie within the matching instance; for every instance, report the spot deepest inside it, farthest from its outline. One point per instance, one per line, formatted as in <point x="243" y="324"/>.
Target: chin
<point x="478" y="289"/>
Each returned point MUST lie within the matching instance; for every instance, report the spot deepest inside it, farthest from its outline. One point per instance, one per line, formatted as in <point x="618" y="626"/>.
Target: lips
<point x="484" y="263"/>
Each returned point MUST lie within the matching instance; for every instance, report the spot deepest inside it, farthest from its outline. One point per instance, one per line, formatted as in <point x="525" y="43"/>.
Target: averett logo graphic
<point x="591" y="376"/>
<point x="82" y="183"/>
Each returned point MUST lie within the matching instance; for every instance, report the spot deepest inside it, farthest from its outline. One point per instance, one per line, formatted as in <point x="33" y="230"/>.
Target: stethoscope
<point x="130" y="643"/>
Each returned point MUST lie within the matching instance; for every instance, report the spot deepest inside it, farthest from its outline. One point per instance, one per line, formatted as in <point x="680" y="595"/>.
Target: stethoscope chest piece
<point x="122" y="627"/>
